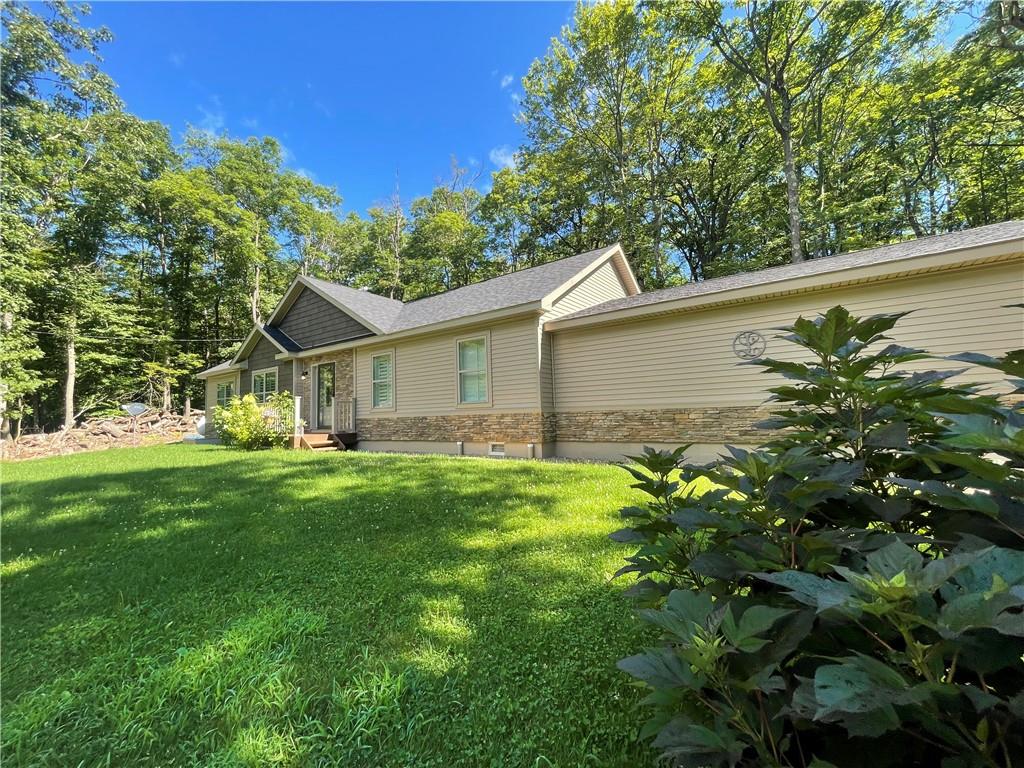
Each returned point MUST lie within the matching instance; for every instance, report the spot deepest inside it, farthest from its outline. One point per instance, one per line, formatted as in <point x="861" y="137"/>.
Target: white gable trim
<point x="250" y="342"/>
<point x="622" y="269"/>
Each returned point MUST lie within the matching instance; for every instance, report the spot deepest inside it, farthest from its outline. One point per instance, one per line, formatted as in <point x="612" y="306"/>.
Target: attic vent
<point x="497" y="449"/>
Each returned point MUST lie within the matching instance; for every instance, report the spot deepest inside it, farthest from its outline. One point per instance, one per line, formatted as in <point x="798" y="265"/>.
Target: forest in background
<point x="707" y="138"/>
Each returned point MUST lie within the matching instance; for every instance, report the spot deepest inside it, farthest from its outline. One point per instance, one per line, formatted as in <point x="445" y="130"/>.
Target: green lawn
<point x="185" y="605"/>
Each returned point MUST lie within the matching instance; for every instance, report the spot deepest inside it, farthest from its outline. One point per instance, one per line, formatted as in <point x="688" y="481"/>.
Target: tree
<point x="787" y="47"/>
<point x="601" y="103"/>
<point x="383" y="266"/>
<point x="40" y="83"/>
<point x="447" y="246"/>
<point x="1001" y="26"/>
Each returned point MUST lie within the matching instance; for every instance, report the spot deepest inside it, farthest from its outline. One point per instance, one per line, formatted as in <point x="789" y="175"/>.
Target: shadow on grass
<point x="285" y="608"/>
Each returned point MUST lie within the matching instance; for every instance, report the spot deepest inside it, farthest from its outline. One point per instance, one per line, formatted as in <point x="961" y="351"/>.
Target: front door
<point x="325" y="396"/>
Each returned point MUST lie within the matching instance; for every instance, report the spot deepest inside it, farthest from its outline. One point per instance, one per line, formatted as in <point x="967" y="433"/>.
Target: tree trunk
<point x="5" y="422"/>
<point x="792" y="184"/>
<point x="908" y="209"/>
<point x="69" y="378"/>
<point x="255" y="299"/>
<point x="188" y="406"/>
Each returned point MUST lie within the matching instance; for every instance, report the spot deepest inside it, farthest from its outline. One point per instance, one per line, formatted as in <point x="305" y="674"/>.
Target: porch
<point x="334" y="425"/>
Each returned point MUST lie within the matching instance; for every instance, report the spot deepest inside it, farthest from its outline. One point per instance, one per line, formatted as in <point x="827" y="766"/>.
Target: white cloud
<point x="323" y="109"/>
<point x="506" y="81"/>
<point x="503" y="156"/>
<point x="212" y="120"/>
<point x="251" y="123"/>
<point x="515" y="102"/>
<point x="176" y="59"/>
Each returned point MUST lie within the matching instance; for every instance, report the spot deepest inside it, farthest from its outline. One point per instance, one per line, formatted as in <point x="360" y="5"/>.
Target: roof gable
<point x="526" y="286"/>
<point x="370" y="310"/>
<point x="538" y="286"/>
<point x="257" y="334"/>
<point x="313" y="321"/>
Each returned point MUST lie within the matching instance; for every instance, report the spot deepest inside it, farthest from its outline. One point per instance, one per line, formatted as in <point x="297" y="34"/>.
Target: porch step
<point x="321" y="441"/>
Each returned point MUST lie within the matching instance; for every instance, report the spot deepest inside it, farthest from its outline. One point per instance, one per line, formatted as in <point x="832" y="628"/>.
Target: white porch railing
<point x="346" y="415"/>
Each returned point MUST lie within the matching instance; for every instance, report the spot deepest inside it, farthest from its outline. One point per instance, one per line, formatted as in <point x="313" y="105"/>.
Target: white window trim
<point x="394" y="377"/>
<point x="216" y="394"/>
<point x="263" y="372"/>
<point x="486" y="402"/>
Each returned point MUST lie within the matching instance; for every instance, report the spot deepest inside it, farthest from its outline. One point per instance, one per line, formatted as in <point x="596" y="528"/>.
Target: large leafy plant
<point x="251" y="425"/>
<point x="851" y="592"/>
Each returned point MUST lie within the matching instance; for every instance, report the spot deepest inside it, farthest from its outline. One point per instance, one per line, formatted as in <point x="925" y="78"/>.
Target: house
<point x="572" y="359"/>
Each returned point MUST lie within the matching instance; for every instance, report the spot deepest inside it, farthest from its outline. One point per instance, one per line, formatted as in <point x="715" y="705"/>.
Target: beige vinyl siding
<point x="547" y="381"/>
<point x="686" y="359"/>
<point x="600" y="286"/>
<point x="263" y="356"/>
<point x="425" y="372"/>
<point x="211" y="398"/>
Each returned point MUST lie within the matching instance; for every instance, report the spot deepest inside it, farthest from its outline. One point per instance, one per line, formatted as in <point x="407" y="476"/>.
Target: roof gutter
<point x="530" y="308"/>
<point x="1006" y="250"/>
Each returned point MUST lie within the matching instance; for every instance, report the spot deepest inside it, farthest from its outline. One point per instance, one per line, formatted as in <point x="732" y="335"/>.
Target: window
<point x="264" y="384"/>
<point x="473" y="370"/>
<point x="224" y="393"/>
<point x="497" y="449"/>
<point x="383" y="378"/>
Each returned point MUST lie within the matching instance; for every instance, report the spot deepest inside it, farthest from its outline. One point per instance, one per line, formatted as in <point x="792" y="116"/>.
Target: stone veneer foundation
<point x="722" y="424"/>
<point x="468" y="427"/>
<point x="726" y="424"/>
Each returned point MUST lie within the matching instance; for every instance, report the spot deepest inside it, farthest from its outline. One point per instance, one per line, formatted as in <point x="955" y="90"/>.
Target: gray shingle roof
<point x="924" y="246"/>
<point x="282" y="338"/>
<point x="224" y="367"/>
<point x="378" y="310"/>
<point x="522" y="287"/>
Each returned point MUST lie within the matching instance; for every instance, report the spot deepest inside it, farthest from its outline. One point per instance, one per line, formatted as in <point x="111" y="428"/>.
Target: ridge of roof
<point x="376" y="309"/>
<point x="499" y="292"/>
<point x="989" y="234"/>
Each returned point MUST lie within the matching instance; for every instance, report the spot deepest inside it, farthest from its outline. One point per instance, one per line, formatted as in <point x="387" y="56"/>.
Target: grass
<point x="187" y="605"/>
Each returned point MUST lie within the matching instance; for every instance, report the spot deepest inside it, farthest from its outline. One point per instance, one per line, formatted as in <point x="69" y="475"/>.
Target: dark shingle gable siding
<point x="262" y="356"/>
<point x="312" y="321"/>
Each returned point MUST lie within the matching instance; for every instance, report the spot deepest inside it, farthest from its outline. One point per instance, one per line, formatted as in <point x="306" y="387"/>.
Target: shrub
<point x="850" y="593"/>
<point x="249" y="424"/>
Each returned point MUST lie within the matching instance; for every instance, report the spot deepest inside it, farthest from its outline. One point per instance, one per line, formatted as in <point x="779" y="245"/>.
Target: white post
<point x="297" y="415"/>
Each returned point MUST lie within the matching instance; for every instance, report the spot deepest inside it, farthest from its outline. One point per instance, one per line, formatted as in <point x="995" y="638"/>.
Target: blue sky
<point x="356" y="92"/>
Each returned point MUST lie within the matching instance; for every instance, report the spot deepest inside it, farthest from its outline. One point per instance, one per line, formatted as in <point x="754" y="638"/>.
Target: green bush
<point x="850" y="593"/>
<point x="249" y="424"/>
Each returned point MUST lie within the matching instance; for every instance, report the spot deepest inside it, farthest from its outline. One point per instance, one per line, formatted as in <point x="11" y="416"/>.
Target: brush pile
<point x="108" y="432"/>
